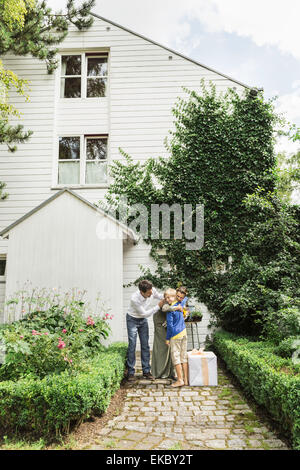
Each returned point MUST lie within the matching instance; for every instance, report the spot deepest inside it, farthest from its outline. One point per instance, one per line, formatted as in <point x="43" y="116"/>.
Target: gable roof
<point x="171" y="50"/>
<point x="130" y="233"/>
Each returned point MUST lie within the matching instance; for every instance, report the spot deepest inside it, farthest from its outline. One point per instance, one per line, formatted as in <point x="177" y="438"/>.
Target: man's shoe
<point x="130" y="378"/>
<point x="148" y="376"/>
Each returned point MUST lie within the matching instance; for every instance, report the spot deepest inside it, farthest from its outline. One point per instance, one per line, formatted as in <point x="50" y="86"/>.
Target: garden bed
<point x="272" y="381"/>
<point x="52" y="405"/>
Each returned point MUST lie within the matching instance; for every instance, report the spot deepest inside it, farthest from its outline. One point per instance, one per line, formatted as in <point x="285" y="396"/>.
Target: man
<point x="137" y="323"/>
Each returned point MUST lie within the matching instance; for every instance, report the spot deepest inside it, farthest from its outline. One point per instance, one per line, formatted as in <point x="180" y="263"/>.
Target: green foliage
<point x="41" y="29"/>
<point x="49" y="341"/>
<point x="194" y="315"/>
<point x="11" y="134"/>
<point x="288" y="347"/>
<point x="52" y="405"/>
<point x="288" y="174"/>
<point x="282" y="324"/>
<point x="222" y="156"/>
<point x="265" y="281"/>
<point x="272" y="381"/>
<point x="13" y="12"/>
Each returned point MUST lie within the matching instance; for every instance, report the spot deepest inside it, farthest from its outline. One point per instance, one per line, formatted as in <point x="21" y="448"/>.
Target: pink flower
<point x="21" y="337"/>
<point x="70" y="360"/>
<point x="34" y="332"/>
<point x="90" y="321"/>
<point x="46" y="333"/>
<point x="81" y="330"/>
<point x="66" y="359"/>
<point x="61" y="344"/>
<point x="111" y="317"/>
<point x="64" y="330"/>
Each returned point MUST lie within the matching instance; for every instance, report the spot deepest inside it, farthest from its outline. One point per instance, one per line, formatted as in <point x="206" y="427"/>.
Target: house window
<point x="96" y="152"/>
<point x="96" y="76"/>
<point x="82" y="160"/>
<point x="84" y="75"/>
<point x="69" y="160"/>
<point x="70" y="82"/>
<point x="2" y="266"/>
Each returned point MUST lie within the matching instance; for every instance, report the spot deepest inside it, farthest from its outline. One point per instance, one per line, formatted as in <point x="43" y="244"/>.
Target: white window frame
<point x="82" y="162"/>
<point x="70" y="76"/>
<point x="84" y="64"/>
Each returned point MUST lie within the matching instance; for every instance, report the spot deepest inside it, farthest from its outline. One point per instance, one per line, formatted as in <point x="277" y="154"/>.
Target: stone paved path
<point x="156" y="416"/>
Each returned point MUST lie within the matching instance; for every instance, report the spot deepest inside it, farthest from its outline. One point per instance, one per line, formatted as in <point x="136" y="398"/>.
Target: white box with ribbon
<point x="202" y="368"/>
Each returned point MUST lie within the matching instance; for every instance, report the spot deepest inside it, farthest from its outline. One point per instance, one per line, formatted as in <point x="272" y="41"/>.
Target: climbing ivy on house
<point x="221" y="151"/>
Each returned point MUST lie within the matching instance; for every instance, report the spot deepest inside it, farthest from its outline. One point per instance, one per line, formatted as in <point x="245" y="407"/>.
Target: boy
<point x="176" y="333"/>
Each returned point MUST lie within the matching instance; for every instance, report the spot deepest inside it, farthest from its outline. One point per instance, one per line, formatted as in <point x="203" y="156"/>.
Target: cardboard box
<point x="202" y="368"/>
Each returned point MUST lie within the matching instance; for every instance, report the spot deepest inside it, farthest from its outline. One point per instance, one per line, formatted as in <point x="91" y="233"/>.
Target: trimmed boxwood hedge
<point x="50" y="406"/>
<point x="272" y="381"/>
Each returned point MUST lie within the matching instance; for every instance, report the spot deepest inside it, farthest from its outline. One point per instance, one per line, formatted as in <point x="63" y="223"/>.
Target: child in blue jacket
<point x="176" y="333"/>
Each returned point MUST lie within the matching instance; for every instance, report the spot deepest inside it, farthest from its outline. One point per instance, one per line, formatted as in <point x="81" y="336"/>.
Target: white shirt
<point x="138" y="304"/>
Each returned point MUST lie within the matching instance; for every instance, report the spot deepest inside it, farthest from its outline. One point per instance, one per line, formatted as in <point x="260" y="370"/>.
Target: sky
<point x="254" y="41"/>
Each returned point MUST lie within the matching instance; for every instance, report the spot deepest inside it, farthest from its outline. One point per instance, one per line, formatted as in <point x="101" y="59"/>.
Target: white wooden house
<point x="113" y="88"/>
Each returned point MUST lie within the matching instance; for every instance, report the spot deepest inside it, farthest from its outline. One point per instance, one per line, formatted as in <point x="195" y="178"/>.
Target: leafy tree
<point x="221" y="151"/>
<point x="41" y="29"/>
<point x="288" y="174"/>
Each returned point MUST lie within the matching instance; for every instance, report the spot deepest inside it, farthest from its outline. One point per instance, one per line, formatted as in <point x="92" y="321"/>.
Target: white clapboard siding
<point x="38" y="251"/>
<point x="143" y="86"/>
<point x="2" y="299"/>
<point x="131" y="271"/>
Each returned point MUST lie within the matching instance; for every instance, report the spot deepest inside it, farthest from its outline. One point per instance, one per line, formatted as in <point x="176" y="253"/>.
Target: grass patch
<point x="176" y="446"/>
<point x="110" y="444"/>
<point x="249" y="429"/>
<point x="265" y="445"/>
<point x="15" y="444"/>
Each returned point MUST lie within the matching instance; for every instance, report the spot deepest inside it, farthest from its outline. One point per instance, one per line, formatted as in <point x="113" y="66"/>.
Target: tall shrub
<point x="221" y="151"/>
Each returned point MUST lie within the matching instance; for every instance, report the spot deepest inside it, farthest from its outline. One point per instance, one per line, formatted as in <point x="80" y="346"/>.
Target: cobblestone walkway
<point x="156" y="416"/>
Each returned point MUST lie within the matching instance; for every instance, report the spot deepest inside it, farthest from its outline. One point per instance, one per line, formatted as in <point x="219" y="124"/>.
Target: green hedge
<point x="272" y="381"/>
<point x="50" y="406"/>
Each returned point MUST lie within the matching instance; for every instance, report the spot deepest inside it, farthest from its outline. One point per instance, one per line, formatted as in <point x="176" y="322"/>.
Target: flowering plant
<point x="49" y="341"/>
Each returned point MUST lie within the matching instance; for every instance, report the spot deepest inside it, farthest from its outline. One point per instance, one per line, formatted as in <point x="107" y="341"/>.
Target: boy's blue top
<point x="175" y="320"/>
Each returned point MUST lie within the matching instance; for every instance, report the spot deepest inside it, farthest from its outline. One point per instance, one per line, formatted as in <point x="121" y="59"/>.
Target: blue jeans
<point x="138" y="326"/>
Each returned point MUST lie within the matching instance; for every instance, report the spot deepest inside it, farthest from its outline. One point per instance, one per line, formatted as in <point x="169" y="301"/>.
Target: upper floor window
<point x="83" y="75"/>
<point x="82" y="160"/>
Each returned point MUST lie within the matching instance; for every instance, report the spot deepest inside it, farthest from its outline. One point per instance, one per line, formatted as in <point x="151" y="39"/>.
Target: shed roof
<point x="171" y="50"/>
<point x="130" y="233"/>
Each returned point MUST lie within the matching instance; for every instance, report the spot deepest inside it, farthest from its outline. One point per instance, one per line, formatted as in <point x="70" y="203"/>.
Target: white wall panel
<point x="143" y="86"/>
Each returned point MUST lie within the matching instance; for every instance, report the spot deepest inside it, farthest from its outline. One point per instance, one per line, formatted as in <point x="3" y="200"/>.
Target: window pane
<point x="71" y="65"/>
<point x="2" y="267"/>
<point x="97" y="66"/>
<point x="68" y="173"/>
<point x="96" y="149"/>
<point x="69" y="148"/>
<point x="96" y="172"/>
<point x="95" y="87"/>
<point x="70" y="88"/>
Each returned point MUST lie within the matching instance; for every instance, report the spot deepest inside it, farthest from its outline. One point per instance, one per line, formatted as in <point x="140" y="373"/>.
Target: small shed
<point x="65" y="243"/>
